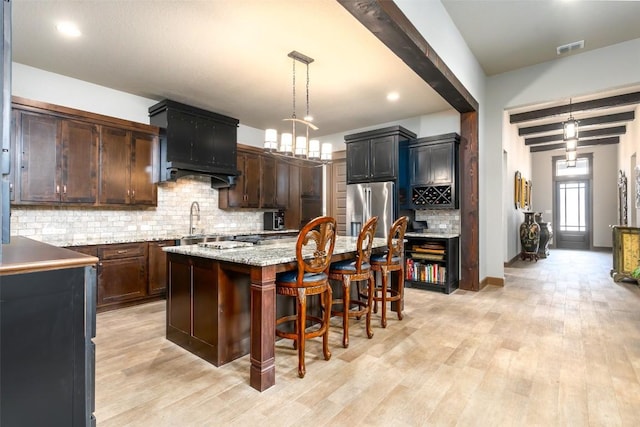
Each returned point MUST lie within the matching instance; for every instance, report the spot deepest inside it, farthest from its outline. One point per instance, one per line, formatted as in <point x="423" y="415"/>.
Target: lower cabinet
<point x="158" y="267"/>
<point x="432" y="263"/>
<point x="122" y="273"/>
<point x="208" y="308"/>
<point x="626" y="252"/>
<point x="129" y="273"/>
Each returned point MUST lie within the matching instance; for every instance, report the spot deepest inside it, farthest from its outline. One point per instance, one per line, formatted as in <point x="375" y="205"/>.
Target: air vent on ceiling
<point x="566" y="48"/>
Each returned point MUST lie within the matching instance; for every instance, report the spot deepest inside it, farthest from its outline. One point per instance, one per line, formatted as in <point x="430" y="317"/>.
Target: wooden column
<point x="263" y="327"/>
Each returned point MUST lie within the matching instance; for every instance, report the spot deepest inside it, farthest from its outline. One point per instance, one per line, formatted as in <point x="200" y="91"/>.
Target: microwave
<point x="274" y="220"/>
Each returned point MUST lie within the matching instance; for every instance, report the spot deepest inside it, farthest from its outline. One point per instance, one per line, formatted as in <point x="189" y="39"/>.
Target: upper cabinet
<point x="126" y="167"/>
<point x="433" y="171"/>
<point x="246" y="191"/>
<point x="58" y="159"/>
<point x="67" y="156"/>
<point x="374" y="155"/>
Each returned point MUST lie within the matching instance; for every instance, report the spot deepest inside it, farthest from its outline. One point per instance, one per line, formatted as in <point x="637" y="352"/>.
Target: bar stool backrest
<point x="365" y="243"/>
<point x="317" y="238"/>
<point x="395" y="240"/>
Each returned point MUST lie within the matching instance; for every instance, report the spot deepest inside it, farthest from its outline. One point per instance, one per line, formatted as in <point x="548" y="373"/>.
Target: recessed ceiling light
<point x="393" y="96"/>
<point x="69" y="29"/>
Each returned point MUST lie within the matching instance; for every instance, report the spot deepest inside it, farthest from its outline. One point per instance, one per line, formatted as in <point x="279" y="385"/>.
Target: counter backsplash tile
<point x="449" y="219"/>
<point x="63" y="225"/>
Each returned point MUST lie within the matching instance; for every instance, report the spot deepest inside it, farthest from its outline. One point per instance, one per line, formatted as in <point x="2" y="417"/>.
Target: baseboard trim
<point x="493" y="281"/>
<point x="512" y="260"/>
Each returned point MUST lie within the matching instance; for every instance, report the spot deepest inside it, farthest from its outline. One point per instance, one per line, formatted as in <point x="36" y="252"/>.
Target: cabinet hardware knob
<point x="57" y="189"/>
<point x="64" y="189"/>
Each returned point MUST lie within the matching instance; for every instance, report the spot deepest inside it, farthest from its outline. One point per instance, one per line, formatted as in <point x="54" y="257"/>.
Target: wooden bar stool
<point x="356" y="270"/>
<point x="317" y="238"/>
<point x="391" y="261"/>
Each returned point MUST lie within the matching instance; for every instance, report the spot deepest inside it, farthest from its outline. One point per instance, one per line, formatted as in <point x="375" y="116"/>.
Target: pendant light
<point x="570" y="137"/>
<point x="295" y="143"/>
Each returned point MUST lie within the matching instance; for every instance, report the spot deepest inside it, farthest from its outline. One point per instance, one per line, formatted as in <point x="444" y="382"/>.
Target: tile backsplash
<point x="66" y="225"/>
<point x="440" y="220"/>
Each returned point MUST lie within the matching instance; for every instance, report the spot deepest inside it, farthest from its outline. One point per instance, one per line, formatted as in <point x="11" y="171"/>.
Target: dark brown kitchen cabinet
<point x="208" y="308"/>
<point x="282" y="184"/>
<point x="245" y="193"/>
<point x="268" y="184"/>
<point x="58" y="159"/>
<point x="311" y="181"/>
<point x="373" y="155"/>
<point x="158" y="267"/>
<point x="122" y="273"/>
<point x="433" y="171"/>
<point x="127" y="167"/>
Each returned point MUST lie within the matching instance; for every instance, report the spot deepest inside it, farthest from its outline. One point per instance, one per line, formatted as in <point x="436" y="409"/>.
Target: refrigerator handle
<point x="368" y="203"/>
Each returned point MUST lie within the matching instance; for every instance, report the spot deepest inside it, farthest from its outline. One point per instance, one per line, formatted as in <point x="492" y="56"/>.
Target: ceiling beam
<point x="581" y="144"/>
<point x="612" y="101"/>
<point x="628" y="116"/>
<point x="616" y="130"/>
<point x="387" y="22"/>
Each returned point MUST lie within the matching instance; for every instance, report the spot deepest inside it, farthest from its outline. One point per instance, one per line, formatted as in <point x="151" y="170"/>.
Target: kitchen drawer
<point x="127" y="250"/>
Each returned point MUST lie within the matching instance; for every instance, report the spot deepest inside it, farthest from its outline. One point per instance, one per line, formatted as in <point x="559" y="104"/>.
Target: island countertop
<point x="268" y="254"/>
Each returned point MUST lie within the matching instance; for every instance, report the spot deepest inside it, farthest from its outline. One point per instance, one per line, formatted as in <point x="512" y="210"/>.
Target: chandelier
<point x="570" y="137"/>
<point x="295" y="143"/>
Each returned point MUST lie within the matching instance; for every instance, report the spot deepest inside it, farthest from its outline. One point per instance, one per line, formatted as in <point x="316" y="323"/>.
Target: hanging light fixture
<point x="570" y="137"/>
<point x="296" y="143"/>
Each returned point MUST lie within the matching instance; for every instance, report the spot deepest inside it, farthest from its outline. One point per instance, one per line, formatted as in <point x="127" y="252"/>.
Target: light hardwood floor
<point x="558" y="345"/>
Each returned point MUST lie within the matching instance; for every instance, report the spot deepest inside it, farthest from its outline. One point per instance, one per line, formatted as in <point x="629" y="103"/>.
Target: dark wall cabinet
<point x="433" y="172"/>
<point x="67" y="156"/>
<point x="374" y="155"/>
<point x="272" y="182"/>
<point x="126" y="167"/>
<point x="58" y="159"/>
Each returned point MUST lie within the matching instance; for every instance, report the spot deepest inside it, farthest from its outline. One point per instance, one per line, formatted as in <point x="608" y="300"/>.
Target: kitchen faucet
<point x="195" y="207"/>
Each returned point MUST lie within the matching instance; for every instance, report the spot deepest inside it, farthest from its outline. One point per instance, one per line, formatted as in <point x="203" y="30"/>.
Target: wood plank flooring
<point x="558" y="345"/>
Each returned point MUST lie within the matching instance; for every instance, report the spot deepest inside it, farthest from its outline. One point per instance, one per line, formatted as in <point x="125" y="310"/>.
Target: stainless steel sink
<point x="193" y="239"/>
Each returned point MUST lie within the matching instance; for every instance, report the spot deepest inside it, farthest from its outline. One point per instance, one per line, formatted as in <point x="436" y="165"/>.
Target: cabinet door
<point x="420" y="173"/>
<point x="267" y="182"/>
<point x="79" y="162"/>
<point x="384" y="157"/>
<point x="292" y="213"/>
<point x="158" y="267"/>
<point x="143" y="186"/>
<point x="282" y="184"/>
<point x="311" y="181"/>
<point x="358" y="154"/>
<point x="121" y="280"/>
<point x="180" y="129"/>
<point x="40" y="179"/>
<point x="13" y="152"/>
<point x="204" y="297"/>
<point x="115" y="166"/>
<point x="441" y="164"/>
<point x="179" y="293"/>
<point x="252" y="181"/>
<point x="224" y="150"/>
<point x="234" y="195"/>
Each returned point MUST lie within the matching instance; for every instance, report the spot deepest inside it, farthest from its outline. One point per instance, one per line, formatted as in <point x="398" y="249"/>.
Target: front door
<point x="572" y="205"/>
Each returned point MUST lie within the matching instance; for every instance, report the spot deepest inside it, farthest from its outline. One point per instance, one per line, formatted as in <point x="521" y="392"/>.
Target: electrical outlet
<point x="442" y="226"/>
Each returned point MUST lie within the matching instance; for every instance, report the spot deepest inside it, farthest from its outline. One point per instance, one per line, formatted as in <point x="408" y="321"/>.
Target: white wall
<point x="586" y="73"/>
<point x="604" y="189"/>
<point x="630" y="146"/>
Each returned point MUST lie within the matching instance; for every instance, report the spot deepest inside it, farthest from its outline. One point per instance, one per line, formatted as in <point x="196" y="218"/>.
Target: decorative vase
<point x="546" y="233"/>
<point x="529" y="236"/>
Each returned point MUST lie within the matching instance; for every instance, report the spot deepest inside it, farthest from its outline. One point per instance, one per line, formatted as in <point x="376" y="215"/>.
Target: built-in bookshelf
<point x="431" y="262"/>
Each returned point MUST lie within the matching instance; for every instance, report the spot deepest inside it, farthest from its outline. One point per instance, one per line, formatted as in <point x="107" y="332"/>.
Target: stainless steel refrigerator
<point x="367" y="200"/>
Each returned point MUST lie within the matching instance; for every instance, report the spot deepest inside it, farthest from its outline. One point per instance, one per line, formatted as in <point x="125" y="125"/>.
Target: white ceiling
<point x="231" y="56"/>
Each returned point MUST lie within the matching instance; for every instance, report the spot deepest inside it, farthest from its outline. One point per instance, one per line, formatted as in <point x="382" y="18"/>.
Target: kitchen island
<point x="221" y="303"/>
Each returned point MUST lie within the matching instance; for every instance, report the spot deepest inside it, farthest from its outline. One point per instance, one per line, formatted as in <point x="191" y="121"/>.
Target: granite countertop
<point x="432" y="234"/>
<point x="138" y="239"/>
<point x="264" y="255"/>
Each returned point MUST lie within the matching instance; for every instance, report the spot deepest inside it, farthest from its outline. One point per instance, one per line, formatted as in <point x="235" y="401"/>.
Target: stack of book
<point x="419" y="270"/>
